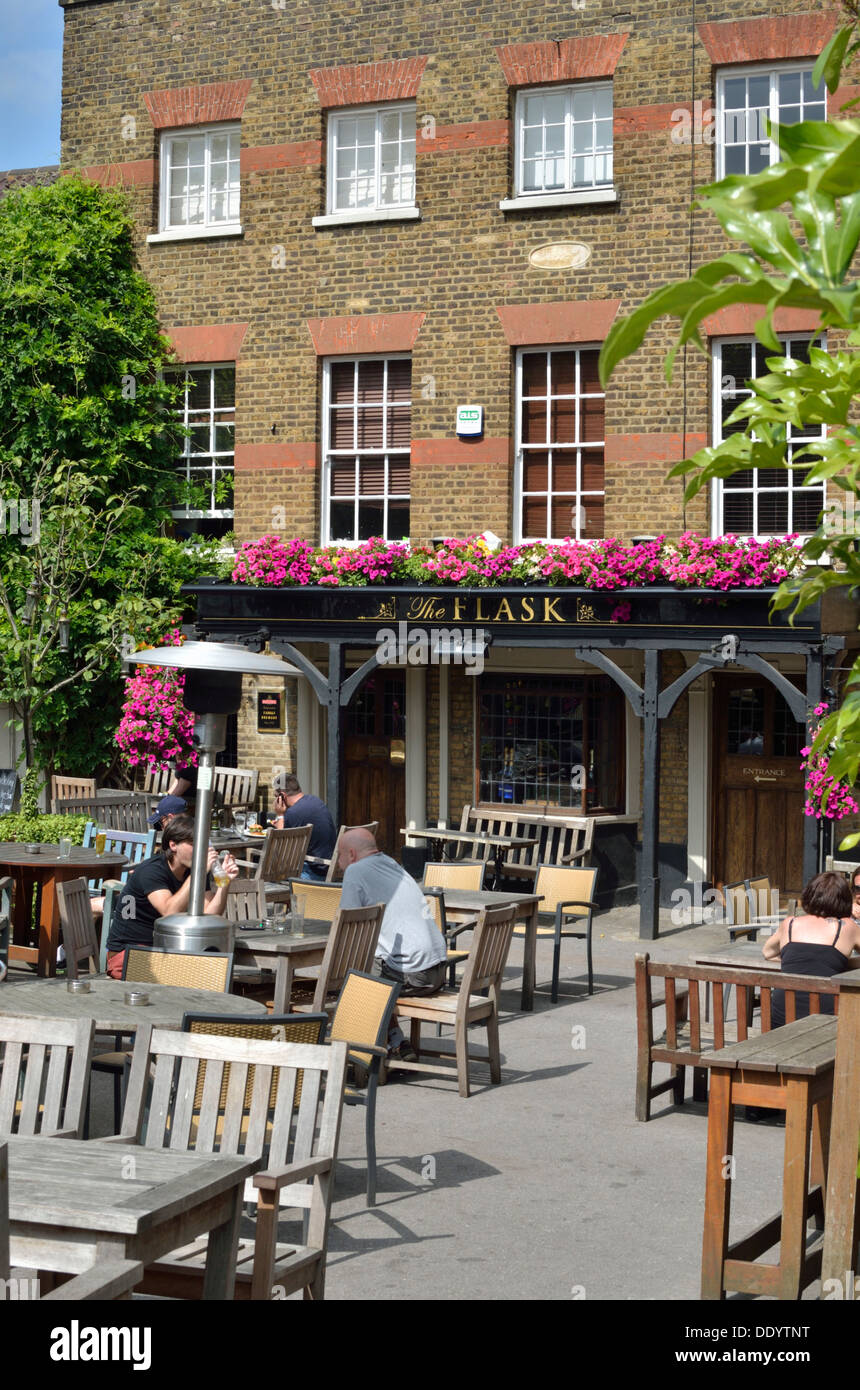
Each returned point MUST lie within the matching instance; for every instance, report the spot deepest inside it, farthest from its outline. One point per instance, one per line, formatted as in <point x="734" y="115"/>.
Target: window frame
<point x="378" y="209"/>
<point x="773" y="70"/>
<point x="168" y="231"/>
<point x="328" y="454"/>
<point x="195" y="513"/>
<point x="567" y="89"/>
<point x="520" y="538"/>
<point x="718" y="485"/>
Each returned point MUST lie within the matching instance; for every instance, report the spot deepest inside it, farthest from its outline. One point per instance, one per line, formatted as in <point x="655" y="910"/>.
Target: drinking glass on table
<point x="101" y="839"/>
<point x="240" y="821"/>
<point x="220" y="876"/>
<point x="298" y="914"/>
<point x="65" y="848"/>
<point x="279" y="916"/>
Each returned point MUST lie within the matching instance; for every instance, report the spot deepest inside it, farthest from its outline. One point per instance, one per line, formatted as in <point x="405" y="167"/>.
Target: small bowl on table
<point x="32" y="848"/>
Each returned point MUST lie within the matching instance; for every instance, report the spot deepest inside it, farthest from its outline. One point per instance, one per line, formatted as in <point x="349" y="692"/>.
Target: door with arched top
<point x="374" y="758"/>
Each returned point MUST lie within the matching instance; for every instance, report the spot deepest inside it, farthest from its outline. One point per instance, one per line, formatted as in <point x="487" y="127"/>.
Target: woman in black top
<point x="818" y="942"/>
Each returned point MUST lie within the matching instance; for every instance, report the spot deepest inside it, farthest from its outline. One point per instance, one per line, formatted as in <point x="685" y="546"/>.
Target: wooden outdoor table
<point x="23" y="997"/>
<point x="746" y="953"/>
<point x="38" y="875"/>
<point x="74" y="1203"/>
<point x="842" y="1219"/>
<point x="283" y="953"/>
<point x="789" y="1069"/>
<point x="437" y="838"/>
<point x="468" y="901"/>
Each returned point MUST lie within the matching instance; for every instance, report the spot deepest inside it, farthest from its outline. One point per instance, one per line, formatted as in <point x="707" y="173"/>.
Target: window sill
<point x="196" y="233"/>
<point x="345" y="219"/>
<point x="575" y="198"/>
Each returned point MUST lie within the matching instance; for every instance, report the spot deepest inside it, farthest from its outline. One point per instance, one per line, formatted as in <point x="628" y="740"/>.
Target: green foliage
<point x="42" y="830"/>
<point x="801" y="259"/>
<point x="88" y="446"/>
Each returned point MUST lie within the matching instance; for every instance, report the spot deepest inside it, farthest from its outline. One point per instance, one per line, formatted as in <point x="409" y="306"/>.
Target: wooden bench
<point x="687" y="1037"/>
<point x="558" y="838"/>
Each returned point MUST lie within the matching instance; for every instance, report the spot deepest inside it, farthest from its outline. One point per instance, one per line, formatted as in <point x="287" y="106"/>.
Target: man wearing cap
<point x="168" y="808"/>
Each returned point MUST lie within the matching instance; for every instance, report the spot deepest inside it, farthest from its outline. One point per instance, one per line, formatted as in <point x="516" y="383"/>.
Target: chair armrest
<point x="453" y="932"/>
<point x="273" y="1179"/>
<point x="106" y="1280"/>
<point x="112" y="883"/>
<point x="317" y="859"/>
<point x="577" y="854"/>
<point x="374" y="1050"/>
<point x="250" y="863"/>
<point x="576" y="902"/>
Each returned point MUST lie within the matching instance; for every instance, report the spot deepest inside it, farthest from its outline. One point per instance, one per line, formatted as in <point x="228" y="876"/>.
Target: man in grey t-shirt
<point x="411" y="948"/>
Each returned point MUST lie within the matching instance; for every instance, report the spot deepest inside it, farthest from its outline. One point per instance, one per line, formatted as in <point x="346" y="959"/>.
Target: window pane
<point x="370" y="428"/>
<point x="371" y="520"/>
<point x="788" y="84"/>
<point x="592" y="470"/>
<point x="398" y="521"/>
<point x="535" y="517"/>
<point x="735" y="92"/>
<point x="399" y="427"/>
<point x="533" y="110"/>
<point x="343" y="478"/>
<point x="534" y="422"/>
<point x="399" y="379"/>
<point x="589" y="376"/>
<point x="583" y="104"/>
<point x="225" y="386"/>
<point x="738" y="513"/>
<point x="390" y="125"/>
<point x="553" y="108"/>
<point x="535" y="472"/>
<point x="199" y="390"/>
<point x="342" y="521"/>
<point x="603" y="102"/>
<point x="342" y="427"/>
<point x="371" y="477"/>
<point x="533" y="142"/>
<point x="563" y="422"/>
<point x="562" y="373"/>
<point x="564" y="472"/>
<point x="759" y="90"/>
<point x="534" y="373"/>
<point x="365" y="130"/>
<point x="342" y="379"/>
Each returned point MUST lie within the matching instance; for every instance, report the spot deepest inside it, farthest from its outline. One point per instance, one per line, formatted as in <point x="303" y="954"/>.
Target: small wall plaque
<point x="270" y="712"/>
<point x="560" y="255"/>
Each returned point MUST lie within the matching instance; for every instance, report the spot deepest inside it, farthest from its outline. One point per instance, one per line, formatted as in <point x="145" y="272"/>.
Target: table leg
<point x="283" y="985"/>
<point x="219" y="1281"/>
<point x="795" y="1186"/>
<point x="718" y="1184"/>
<point x="820" y="1148"/>
<point x="527" y="1000"/>
<point x="843" y="1209"/>
<point x="49" y="928"/>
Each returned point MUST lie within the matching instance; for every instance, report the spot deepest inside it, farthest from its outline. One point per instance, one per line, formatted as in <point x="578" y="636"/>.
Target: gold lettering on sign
<point x="528" y="609"/>
<point x="504" y="607"/>
<point x="386" y="609"/>
<point x="550" y="615"/>
<point x="458" y="616"/>
<point x="584" y="612"/>
<point x="480" y="615"/>
<point x="421" y="609"/>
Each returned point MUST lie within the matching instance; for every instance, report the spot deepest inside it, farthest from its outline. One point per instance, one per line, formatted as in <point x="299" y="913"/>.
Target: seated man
<point x="295" y="808"/>
<point x="158" y="887"/>
<point x="411" y="948"/>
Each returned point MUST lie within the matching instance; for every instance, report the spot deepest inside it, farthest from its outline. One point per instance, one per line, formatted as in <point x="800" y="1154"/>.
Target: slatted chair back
<point x="283" y="854"/>
<point x="292" y="1133"/>
<point x="291" y="1028"/>
<point x="67" y="788"/>
<point x="322" y="900"/>
<point x="463" y="876"/>
<point x="574" y="887"/>
<point x="44" y="1075"/>
<point x="246" y="900"/>
<point x="136" y="845"/>
<point x="236" y="786"/>
<point x="764" y="900"/>
<point x="436" y="905"/>
<point x="490" y="946"/>
<point x="121" y="813"/>
<point x="204" y="970"/>
<point x="155" y="781"/>
<point x="333" y="873"/>
<point x="79" y="929"/>
<point x="351" y="945"/>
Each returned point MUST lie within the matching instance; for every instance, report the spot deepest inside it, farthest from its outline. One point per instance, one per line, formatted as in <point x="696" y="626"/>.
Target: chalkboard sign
<point x="270" y="712"/>
<point x="8" y="789"/>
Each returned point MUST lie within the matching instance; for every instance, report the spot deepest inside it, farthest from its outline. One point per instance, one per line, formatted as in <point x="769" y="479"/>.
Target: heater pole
<point x="210" y="735"/>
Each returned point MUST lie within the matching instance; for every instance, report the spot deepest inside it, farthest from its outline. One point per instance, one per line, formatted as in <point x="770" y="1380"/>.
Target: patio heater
<point x="213" y="690"/>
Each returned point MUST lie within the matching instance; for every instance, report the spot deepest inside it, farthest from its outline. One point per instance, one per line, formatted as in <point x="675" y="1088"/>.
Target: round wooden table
<point x="37" y="875"/>
<point x="105" y="1003"/>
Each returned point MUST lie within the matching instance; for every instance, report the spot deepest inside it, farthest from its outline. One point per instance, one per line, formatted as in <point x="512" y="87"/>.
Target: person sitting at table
<point x="817" y="942"/>
<point x="855" y="893"/>
<point x="411" y="949"/>
<point x="168" y="808"/>
<point x="296" y="808"/>
<point x="159" y="887"/>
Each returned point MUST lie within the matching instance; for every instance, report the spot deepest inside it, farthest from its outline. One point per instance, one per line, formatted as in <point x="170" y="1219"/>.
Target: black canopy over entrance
<point x="723" y="630"/>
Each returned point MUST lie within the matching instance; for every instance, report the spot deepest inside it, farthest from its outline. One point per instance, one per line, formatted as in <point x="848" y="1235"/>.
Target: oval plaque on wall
<point x="560" y="255"/>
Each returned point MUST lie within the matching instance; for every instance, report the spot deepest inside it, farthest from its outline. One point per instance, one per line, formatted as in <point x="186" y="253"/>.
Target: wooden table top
<point x="806" y="1047"/>
<point x="471" y="837"/>
<point x="28" y="998"/>
<point x="14" y="853"/>
<point x="84" y="1183"/>
<point x="744" y="954"/>
<point x="316" y="933"/>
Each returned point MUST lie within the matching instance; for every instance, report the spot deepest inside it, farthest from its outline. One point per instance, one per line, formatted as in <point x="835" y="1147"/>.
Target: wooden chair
<point x="464" y="876"/>
<point x="136" y="846"/>
<point x="280" y="857"/>
<point x="333" y="873"/>
<point x="235" y="786"/>
<point x="322" y="900"/>
<point x="568" y="896"/>
<point x="5" y="924"/>
<point x="361" y="1019"/>
<point x="464" y="1007"/>
<point x="246" y="902"/>
<point x="149" y="965"/>
<point x="79" y="929"/>
<point x="435" y="900"/>
<point x="67" y="788"/>
<point x="155" y="781"/>
<point x="44" y="1075"/>
<point x="739" y="911"/>
<point x="298" y="1145"/>
<point x="351" y="945"/>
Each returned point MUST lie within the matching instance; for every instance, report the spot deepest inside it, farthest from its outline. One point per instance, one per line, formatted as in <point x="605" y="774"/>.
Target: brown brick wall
<point x="461" y="260"/>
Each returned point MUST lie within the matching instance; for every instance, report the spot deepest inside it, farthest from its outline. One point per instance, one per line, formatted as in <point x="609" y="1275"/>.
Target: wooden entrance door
<point x="758" y="785"/>
<point x="375" y="758"/>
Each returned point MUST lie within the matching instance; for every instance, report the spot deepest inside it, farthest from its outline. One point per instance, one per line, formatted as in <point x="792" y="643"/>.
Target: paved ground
<point x="545" y="1187"/>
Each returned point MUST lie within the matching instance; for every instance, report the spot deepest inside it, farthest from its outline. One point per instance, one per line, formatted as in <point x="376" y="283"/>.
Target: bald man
<point x="411" y="948"/>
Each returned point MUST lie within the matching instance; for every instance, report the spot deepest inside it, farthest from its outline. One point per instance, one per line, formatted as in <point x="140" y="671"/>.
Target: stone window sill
<point x="196" y="233"/>
<point x="577" y="197"/>
<point x="345" y="219"/>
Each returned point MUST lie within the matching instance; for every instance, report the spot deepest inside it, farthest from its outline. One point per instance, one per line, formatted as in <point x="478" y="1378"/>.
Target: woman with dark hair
<point x="818" y="942"/>
<point x="158" y="887"/>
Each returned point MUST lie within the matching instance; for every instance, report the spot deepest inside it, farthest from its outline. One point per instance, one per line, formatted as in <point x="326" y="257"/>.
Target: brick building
<point x="359" y="218"/>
